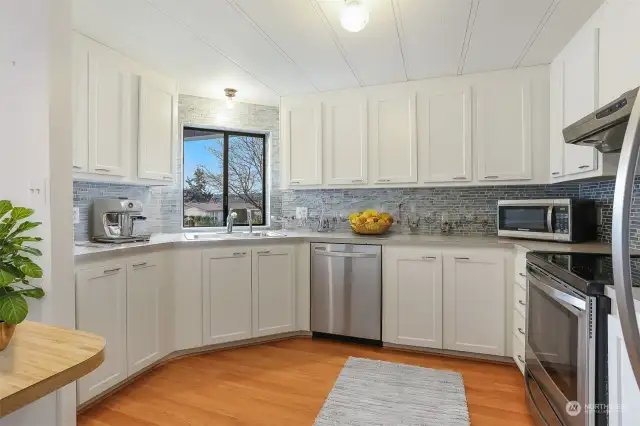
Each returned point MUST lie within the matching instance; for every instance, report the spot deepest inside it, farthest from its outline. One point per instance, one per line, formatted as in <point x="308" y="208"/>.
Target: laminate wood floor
<point x="286" y="383"/>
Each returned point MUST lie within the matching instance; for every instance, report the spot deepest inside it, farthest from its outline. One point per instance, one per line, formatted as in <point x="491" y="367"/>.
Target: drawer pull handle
<point x="491" y="177"/>
<point x="459" y="178"/>
<point x="522" y="303"/>
<point x="520" y="359"/>
<point x="357" y="181"/>
<point x="585" y="166"/>
<point x="428" y="258"/>
<point x="462" y="258"/>
<point x="521" y="331"/>
<point x="264" y="252"/>
<point x="167" y="178"/>
<point x="102" y="170"/>
<point x="555" y="173"/>
<point x="521" y="274"/>
<point x="384" y="180"/>
<point x="295" y="182"/>
<point x="77" y="167"/>
<point x="110" y="271"/>
<point x="137" y="265"/>
<point x="238" y="253"/>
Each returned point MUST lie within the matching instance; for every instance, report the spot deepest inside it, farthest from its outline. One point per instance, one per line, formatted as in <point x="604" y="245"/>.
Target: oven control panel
<point x="561" y="225"/>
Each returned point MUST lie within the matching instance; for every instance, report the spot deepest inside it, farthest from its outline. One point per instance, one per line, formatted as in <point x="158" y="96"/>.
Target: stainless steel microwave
<point x="564" y="220"/>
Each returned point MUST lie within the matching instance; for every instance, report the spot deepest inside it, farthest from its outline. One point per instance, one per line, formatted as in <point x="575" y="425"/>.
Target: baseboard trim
<point x="453" y="354"/>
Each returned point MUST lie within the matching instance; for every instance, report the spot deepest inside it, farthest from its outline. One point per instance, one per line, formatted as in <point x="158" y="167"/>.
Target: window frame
<point x="225" y="196"/>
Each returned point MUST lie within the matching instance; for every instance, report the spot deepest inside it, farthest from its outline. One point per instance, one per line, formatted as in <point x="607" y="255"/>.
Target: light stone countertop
<point x="86" y="253"/>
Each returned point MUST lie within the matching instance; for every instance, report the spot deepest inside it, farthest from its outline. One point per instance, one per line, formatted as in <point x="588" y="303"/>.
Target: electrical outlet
<point x="302" y="212"/>
<point x="76" y="215"/>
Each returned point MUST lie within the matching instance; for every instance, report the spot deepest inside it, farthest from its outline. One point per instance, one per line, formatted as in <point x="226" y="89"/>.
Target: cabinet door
<point x="109" y="113"/>
<point x="580" y="82"/>
<point x="226" y="277"/>
<point x="345" y="137"/>
<point x="503" y="132"/>
<point x="144" y="290"/>
<point x="444" y="135"/>
<point x="556" y="119"/>
<point x="624" y="395"/>
<point x="474" y="303"/>
<point x="394" y="142"/>
<point x="80" y="105"/>
<point x="157" y="130"/>
<point x="412" y="312"/>
<point x="273" y="290"/>
<point x="302" y="134"/>
<point x="101" y="308"/>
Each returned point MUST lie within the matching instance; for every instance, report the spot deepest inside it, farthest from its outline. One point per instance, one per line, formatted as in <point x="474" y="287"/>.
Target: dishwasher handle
<point x="346" y="254"/>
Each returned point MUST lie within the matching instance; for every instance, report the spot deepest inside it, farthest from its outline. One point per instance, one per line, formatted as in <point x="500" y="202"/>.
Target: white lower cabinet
<point x="273" y="290"/>
<point x="412" y="297"/>
<point x="474" y="302"/>
<point x="145" y="278"/>
<point x="226" y="291"/>
<point x="101" y="308"/>
<point x="624" y="395"/>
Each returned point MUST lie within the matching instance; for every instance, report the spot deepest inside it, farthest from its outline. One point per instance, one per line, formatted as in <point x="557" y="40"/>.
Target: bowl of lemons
<point x="370" y="222"/>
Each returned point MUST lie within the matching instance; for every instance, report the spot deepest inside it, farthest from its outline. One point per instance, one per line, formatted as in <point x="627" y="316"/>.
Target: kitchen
<point x="460" y="151"/>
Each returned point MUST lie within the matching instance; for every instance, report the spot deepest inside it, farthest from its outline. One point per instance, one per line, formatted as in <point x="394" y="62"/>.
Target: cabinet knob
<point x="522" y="303"/>
<point x="521" y="331"/>
<point x="520" y="359"/>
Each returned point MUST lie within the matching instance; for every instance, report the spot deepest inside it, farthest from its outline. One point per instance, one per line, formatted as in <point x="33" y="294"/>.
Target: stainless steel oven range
<point x="566" y="339"/>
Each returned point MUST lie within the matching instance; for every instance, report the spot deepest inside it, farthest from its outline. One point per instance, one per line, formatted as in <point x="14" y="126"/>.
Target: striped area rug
<point x="381" y="393"/>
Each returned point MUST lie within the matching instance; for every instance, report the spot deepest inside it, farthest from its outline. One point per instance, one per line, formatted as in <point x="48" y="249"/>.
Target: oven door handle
<point x="550" y="219"/>
<point x="570" y="302"/>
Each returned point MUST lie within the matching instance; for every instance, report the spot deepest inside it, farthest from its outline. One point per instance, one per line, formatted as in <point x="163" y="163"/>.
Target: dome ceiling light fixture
<point x="230" y="94"/>
<point x="354" y="16"/>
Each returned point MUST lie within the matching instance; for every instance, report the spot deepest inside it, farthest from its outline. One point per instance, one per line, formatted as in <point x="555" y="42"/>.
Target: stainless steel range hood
<point x="604" y="129"/>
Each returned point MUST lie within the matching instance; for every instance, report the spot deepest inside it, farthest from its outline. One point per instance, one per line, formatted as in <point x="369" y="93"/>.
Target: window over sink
<point x="224" y="172"/>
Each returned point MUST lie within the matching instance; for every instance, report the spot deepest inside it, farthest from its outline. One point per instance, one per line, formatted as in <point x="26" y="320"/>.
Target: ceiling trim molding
<point x="235" y="6"/>
<point x="473" y="12"/>
<point x="211" y="46"/>
<point x="395" y="5"/>
<point x="336" y="40"/>
<point x="541" y="25"/>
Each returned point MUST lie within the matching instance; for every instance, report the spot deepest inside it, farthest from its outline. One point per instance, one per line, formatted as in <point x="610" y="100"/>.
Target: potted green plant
<point x="16" y="268"/>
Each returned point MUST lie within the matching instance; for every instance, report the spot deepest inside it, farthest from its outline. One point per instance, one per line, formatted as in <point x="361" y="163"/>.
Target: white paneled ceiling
<point x="272" y="48"/>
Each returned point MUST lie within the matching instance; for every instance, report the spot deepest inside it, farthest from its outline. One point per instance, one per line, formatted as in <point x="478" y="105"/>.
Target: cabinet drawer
<point x="519" y="325"/>
<point x="519" y="299"/>
<point x="518" y="353"/>
<point x="520" y="269"/>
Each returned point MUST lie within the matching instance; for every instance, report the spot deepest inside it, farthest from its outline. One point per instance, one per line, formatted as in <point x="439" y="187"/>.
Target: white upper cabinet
<point x="101" y="308"/>
<point x="445" y="136"/>
<point x="80" y="105"/>
<point x="109" y="114"/>
<point x="502" y="131"/>
<point x="157" y="128"/>
<point x="394" y="144"/>
<point x="345" y="141"/>
<point x="474" y="303"/>
<point x="145" y="288"/>
<point x="556" y="120"/>
<point x="302" y="143"/>
<point x="273" y="290"/>
<point x="580" y="83"/>
<point x="412" y="311"/>
<point x="226" y="295"/>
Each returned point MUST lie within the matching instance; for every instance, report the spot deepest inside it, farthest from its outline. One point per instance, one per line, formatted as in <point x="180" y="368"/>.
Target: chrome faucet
<point x="250" y="219"/>
<point x="230" y="218"/>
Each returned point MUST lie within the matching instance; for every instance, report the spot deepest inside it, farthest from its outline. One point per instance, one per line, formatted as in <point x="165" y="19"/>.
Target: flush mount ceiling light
<point x="230" y="94"/>
<point x="355" y="16"/>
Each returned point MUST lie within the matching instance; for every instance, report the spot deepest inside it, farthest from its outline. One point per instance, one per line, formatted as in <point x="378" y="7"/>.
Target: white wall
<point x="35" y="147"/>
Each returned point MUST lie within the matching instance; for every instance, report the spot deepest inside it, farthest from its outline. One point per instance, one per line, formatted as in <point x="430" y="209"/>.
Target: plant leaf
<point x="29" y="268"/>
<point x="24" y="227"/>
<point x="31" y="250"/>
<point x="6" y="277"/>
<point x="35" y="293"/>
<point x="21" y="240"/>
<point x="13" y="308"/>
<point x="5" y="206"/>
<point x="19" y="213"/>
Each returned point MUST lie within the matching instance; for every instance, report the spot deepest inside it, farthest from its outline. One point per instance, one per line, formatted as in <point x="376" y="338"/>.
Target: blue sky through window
<point x="195" y="153"/>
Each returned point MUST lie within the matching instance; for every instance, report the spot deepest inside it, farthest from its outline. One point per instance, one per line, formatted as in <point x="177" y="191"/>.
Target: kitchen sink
<point x="203" y="236"/>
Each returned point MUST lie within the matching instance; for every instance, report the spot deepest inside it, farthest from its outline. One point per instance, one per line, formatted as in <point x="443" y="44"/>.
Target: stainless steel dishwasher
<point x="346" y="291"/>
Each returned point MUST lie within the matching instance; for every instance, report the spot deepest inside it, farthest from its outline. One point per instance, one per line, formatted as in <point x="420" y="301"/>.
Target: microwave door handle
<point x="622" y="200"/>
<point x="550" y="219"/>
<point x="569" y="302"/>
